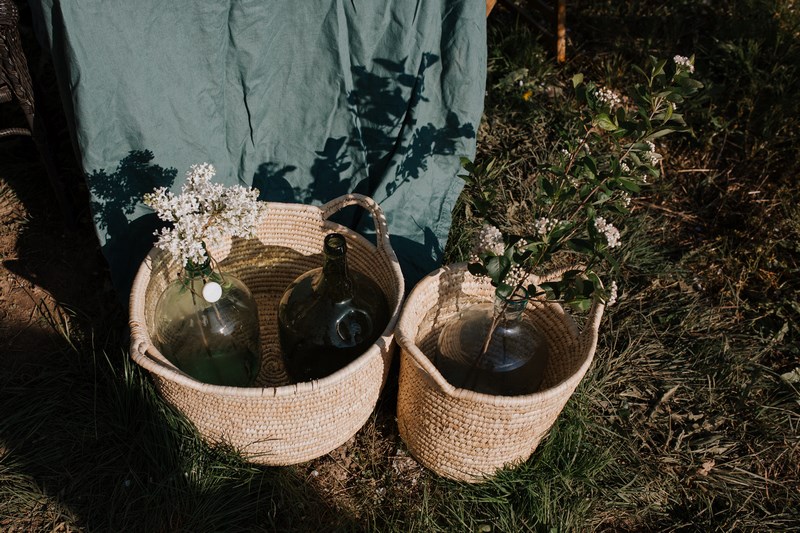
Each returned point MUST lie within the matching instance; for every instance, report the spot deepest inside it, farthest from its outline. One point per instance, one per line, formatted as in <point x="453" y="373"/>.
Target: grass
<point x="684" y="422"/>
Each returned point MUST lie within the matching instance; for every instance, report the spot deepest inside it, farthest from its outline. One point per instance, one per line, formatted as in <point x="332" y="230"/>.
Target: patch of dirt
<point x="54" y="285"/>
<point x="373" y="468"/>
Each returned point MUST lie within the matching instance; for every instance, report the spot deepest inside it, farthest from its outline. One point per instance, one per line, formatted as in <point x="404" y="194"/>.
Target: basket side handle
<point x="141" y="352"/>
<point x="381" y="226"/>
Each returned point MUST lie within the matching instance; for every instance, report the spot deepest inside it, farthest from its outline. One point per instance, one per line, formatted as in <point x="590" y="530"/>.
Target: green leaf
<point x="595" y="279"/>
<point x="477" y="269"/>
<point x="629" y="185"/>
<point x="580" y="303"/>
<point x="497" y="267"/>
<point x="659" y="68"/>
<point x="503" y="290"/>
<point x="548" y="187"/>
<point x="590" y="164"/>
<point x="552" y="289"/>
<point x="668" y="114"/>
<point x="534" y="247"/>
<point x="659" y="133"/>
<point x="577" y="80"/>
<point x="603" y="121"/>
<point x="534" y="291"/>
<point x="493" y="268"/>
<point x="691" y="83"/>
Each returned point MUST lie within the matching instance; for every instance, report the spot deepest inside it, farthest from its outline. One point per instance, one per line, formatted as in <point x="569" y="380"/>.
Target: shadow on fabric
<point x="387" y="148"/>
<point x="115" y="197"/>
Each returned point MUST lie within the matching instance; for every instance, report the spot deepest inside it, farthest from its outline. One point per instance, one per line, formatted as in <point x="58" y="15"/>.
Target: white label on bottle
<point x="212" y="291"/>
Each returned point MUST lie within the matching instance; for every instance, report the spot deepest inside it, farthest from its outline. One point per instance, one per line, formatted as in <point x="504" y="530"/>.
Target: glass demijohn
<point x="516" y="357"/>
<point x="329" y="316"/>
<point x="207" y="326"/>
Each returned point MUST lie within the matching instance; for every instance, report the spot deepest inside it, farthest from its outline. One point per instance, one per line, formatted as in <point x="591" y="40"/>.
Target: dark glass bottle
<point x="329" y="316"/>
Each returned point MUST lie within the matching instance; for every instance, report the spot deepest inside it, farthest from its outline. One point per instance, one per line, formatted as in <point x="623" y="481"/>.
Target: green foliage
<point x="607" y="154"/>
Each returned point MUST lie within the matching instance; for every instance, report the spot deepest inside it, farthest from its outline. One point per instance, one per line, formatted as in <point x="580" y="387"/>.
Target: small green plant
<point x="583" y="191"/>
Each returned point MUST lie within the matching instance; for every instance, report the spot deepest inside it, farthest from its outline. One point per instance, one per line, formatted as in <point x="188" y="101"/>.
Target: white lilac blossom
<point x="488" y="240"/>
<point x="612" y="294"/>
<point x="608" y="230"/>
<point x="516" y="275"/>
<point x="652" y="156"/>
<point x="683" y="63"/>
<point x="544" y="225"/>
<point x="521" y="244"/>
<point x="204" y="211"/>
<point x="609" y="97"/>
<point x="625" y="168"/>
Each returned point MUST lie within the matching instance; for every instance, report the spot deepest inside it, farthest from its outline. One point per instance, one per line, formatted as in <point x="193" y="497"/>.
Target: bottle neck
<point x="197" y="270"/>
<point x="335" y="275"/>
<point x="512" y="308"/>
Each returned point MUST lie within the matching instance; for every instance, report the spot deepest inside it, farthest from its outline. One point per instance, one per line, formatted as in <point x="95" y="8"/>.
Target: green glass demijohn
<point x="329" y="316"/>
<point x="514" y="360"/>
<point x="206" y="324"/>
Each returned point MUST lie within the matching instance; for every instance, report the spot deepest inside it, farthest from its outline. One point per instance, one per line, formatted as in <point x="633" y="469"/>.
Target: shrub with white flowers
<point x="203" y="212"/>
<point x="580" y="196"/>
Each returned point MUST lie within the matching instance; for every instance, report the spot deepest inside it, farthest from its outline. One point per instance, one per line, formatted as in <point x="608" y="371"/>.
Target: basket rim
<point x="145" y="353"/>
<point x="405" y="335"/>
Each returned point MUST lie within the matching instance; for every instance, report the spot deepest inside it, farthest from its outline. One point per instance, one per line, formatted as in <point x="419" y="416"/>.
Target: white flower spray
<point x="684" y="63"/>
<point x="609" y="97"/>
<point x="608" y="230"/>
<point x="203" y="212"/>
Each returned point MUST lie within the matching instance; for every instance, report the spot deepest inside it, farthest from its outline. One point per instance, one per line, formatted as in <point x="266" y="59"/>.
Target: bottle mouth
<point x="335" y="245"/>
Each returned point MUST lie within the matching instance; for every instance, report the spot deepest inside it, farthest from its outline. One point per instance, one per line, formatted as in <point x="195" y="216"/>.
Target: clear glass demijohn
<point x="514" y="361"/>
<point x="206" y="324"/>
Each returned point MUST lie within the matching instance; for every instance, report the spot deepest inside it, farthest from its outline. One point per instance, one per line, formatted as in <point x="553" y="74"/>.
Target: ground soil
<point x="53" y="278"/>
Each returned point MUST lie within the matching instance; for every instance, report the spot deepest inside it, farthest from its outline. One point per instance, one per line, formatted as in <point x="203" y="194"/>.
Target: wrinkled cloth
<point x="303" y="100"/>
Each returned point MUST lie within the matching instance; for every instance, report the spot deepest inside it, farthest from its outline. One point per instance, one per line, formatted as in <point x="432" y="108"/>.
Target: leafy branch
<point x="609" y="156"/>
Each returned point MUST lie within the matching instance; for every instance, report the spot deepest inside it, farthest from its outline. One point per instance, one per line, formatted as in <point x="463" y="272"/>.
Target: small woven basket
<point x="466" y="435"/>
<point x="275" y="422"/>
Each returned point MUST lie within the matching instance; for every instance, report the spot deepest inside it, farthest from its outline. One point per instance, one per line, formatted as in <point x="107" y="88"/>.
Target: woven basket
<point x="275" y="422"/>
<point x="465" y="435"/>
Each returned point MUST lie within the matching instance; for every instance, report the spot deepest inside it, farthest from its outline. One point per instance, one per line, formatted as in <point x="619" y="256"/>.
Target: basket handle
<point x="381" y="226"/>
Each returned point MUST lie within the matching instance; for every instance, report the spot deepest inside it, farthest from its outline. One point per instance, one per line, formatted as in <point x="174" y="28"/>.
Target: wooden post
<point x="561" y="30"/>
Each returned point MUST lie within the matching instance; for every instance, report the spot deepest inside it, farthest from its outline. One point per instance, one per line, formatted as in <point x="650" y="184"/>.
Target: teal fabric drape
<point x="303" y="100"/>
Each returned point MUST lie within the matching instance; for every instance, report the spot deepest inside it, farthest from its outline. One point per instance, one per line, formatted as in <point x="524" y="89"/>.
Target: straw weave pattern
<point x="276" y="422"/>
<point x="465" y="435"/>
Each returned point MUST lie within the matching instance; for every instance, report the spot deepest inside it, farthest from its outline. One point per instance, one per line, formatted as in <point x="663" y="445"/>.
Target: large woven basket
<point x="465" y="435"/>
<point x="275" y="422"/>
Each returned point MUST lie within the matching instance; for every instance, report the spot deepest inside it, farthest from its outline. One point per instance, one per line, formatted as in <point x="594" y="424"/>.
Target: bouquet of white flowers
<point x="203" y="211"/>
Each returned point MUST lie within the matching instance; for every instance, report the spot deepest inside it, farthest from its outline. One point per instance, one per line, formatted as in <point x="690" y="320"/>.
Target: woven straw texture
<point x="465" y="435"/>
<point x="276" y="422"/>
